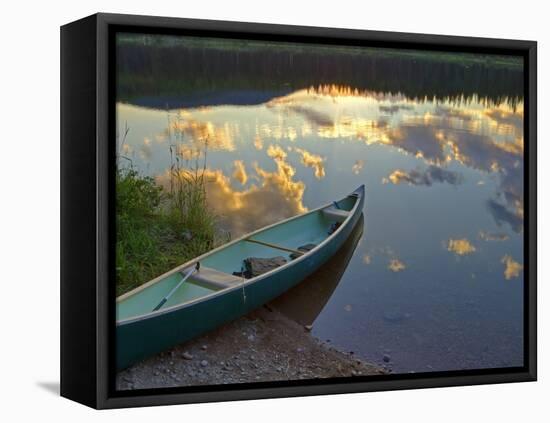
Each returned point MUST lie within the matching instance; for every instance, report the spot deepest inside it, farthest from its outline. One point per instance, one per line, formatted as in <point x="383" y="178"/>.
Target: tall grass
<point x="158" y="226"/>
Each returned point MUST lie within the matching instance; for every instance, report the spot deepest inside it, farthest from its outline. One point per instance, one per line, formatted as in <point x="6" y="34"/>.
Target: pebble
<point x="156" y="373"/>
<point x="308" y="327"/>
<point x="386" y="358"/>
<point x="204" y="347"/>
<point x="204" y="363"/>
<point x="187" y="356"/>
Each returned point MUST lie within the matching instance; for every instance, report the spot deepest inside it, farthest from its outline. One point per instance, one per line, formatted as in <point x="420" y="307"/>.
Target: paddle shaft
<point x="167" y="297"/>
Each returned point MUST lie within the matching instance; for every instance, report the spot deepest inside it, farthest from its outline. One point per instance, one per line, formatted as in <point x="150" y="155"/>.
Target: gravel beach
<point x="262" y="346"/>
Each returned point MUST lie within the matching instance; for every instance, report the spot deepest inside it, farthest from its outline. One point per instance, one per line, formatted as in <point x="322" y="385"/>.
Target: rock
<point x="171" y="363"/>
<point x="308" y="327"/>
<point x="204" y="363"/>
<point x="386" y="358"/>
<point x="204" y="347"/>
<point x="187" y="356"/>
<point x="156" y="373"/>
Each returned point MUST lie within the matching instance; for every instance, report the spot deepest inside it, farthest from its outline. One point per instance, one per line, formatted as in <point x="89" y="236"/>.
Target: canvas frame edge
<point x="102" y="309"/>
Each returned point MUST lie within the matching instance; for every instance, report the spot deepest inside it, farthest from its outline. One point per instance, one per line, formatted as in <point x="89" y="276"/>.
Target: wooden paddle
<point x="167" y="297"/>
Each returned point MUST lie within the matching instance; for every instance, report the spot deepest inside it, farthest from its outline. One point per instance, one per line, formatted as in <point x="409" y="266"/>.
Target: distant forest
<point x="153" y="65"/>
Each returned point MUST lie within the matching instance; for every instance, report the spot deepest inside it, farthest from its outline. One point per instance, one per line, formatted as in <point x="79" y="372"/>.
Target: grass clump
<point x="158" y="227"/>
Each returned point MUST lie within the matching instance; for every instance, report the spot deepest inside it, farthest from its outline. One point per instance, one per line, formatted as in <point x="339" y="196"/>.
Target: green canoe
<point x="212" y="295"/>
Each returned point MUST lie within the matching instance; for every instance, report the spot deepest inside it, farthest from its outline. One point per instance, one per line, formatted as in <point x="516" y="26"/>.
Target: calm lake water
<point x="433" y="278"/>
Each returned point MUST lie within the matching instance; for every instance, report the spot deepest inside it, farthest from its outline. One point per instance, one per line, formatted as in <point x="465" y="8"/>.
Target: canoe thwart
<point x="337" y="215"/>
<point x="214" y="279"/>
<point x="278" y="247"/>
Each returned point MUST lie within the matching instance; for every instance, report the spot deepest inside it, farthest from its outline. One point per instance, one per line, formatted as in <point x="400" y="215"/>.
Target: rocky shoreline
<point x="264" y="345"/>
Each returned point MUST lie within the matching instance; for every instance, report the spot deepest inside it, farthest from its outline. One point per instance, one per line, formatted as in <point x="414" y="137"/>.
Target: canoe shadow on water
<point x="305" y="301"/>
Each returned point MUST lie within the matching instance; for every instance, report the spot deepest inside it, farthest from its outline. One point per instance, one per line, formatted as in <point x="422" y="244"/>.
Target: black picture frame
<point x="87" y="157"/>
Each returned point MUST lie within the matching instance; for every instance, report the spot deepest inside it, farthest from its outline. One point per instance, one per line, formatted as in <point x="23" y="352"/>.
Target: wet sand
<point x="262" y="346"/>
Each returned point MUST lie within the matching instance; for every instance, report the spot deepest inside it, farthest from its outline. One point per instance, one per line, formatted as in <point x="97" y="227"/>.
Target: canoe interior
<point x="309" y="228"/>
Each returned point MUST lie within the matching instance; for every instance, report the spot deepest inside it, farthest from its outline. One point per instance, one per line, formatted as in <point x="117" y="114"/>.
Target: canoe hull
<point x="141" y="338"/>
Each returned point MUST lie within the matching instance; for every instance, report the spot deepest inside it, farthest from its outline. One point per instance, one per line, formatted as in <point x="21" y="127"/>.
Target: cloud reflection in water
<point x="443" y="140"/>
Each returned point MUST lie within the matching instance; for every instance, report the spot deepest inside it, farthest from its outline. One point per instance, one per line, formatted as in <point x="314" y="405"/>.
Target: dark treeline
<point x="146" y="71"/>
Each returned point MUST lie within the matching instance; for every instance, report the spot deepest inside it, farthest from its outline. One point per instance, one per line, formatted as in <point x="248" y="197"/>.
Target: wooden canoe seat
<point x="336" y="215"/>
<point x="214" y="279"/>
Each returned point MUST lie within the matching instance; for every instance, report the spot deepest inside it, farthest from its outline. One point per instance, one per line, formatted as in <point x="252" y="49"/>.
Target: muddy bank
<point x="262" y="346"/>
